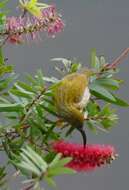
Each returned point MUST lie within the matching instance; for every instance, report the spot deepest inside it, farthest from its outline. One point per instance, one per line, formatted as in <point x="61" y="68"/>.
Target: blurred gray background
<point x="100" y="24"/>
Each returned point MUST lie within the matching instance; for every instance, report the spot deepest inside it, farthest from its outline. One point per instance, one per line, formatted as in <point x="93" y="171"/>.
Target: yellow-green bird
<point x="71" y="96"/>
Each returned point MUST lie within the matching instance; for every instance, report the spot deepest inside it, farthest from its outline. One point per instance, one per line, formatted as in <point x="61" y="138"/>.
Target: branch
<point x="118" y="60"/>
<point x="24" y="117"/>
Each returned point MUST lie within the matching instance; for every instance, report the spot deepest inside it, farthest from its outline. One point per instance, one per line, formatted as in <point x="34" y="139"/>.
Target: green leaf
<point x="2" y="23"/>
<point x="16" y="99"/>
<point x="93" y="58"/>
<point x="3" y="100"/>
<point x="49" y="109"/>
<point x="69" y="131"/>
<point x="3" y="3"/>
<point x="36" y="126"/>
<point x="120" y="102"/>
<point x="65" y="62"/>
<point x="2" y="176"/>
<point x="37" y="159"/>
<point x="28" y="168"/>
<point x="94" y="125"/>
<point x="50" y="181"/>
<point x="5" y="69"/>
<point x="30" y="161"/>
<point x="91" y="126"/>
<point x="107" y="123"/>
<point x="10" y="107"/>
<point x="25" y="86"/>
<point x="102" y="60"/>
<point x="75" y="67"/>
<point x="108" y="83"/>
<point x="92" y="108"/>
<point x="54" y="171"/>
<point x="1" y="57"/>
<point x="31" y="79"/>
<point x="101" y="92"/>
<point x="48" y="100"/>
<point x="51" y="79"/>
<point x="48" y="93"/>
<point x="21" y="94"/>
<point x="49" y="134"/>
<point x="55" y="160"/>
<point x="4" y="83"/>
<point x="40" y="111"/>
<point x="63" y="161"/>
<point x="106" y="111"/>
<point x="97" y="65"/>
<point x="32" y="167"/>
<point x="39" y="78"/>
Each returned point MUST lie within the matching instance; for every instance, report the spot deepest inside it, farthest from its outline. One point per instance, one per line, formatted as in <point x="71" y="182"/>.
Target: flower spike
<point x="85" y="159"/>
<point x="20" y="29"/>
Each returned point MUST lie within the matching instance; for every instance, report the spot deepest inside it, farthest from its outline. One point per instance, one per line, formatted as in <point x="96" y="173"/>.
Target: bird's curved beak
<point x="83" y="133"/>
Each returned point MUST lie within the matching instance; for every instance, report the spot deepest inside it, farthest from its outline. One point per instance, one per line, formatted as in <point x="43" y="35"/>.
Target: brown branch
<point x="29" y="187"/>
<point x="118" y="60"/>
<point x="4" y="41"/>
<point x="31" y="105"/>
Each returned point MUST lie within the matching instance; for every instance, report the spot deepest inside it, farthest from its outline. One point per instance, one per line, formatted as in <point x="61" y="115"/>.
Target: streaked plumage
<point x="71" y="96"/>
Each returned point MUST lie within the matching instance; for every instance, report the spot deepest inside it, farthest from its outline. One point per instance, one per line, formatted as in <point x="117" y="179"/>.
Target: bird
<point x="71" y="96"/>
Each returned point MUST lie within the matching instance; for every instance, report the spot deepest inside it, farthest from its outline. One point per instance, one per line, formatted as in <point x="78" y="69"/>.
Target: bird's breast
<point x="85" y="98"/>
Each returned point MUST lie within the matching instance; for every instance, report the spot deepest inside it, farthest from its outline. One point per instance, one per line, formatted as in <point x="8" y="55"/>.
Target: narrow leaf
<point x="25" y="86"/>
<point x="20" y="94"/>
<point x="93" y="58"/>
<point x="59" y="171"/>
<point x="1" y="57"/>
<point x="63" y="161"/>
<point x="120" y="102"/>
<point x="101" y="92"/>
<point x="10" y="107"/>
<point x="108" y="83"/>
<point x="50" y="181"/>
<point x="55" y="160"/>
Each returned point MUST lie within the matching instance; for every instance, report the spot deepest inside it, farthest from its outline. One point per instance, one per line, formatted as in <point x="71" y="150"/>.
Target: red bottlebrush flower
<point x="22" y="28"/>
<point x="85" y="159"/>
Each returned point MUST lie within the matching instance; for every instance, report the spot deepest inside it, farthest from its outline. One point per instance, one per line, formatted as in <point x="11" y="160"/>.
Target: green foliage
<point x="2" y="15"/>
<point x="29" y="162"/>
<point x="100" y="118"/>
<point x="100" y="92"/>
<point x="33" y="7"/>
<point x="6" y="74"/>
<point x="30" y="120"/>
<point x="103" y="82"/>
<point x="69" y="66"/>
<point x="1" y="57"/>
<point x="2" y="177"/>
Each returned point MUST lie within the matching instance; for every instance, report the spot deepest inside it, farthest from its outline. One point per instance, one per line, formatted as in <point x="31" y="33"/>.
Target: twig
<point x="4" y="41"/>
<point x="31" y="105"/>
<point x="28" y="188"/>
<point x="118" y="60"/>
<point x="24" y="13"/>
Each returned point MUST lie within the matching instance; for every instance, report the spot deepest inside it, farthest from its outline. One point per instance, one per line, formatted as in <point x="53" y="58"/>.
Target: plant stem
<point x="4" y="41"/>
<point x="25" y="116"/>
<point x="118" y="60"/>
